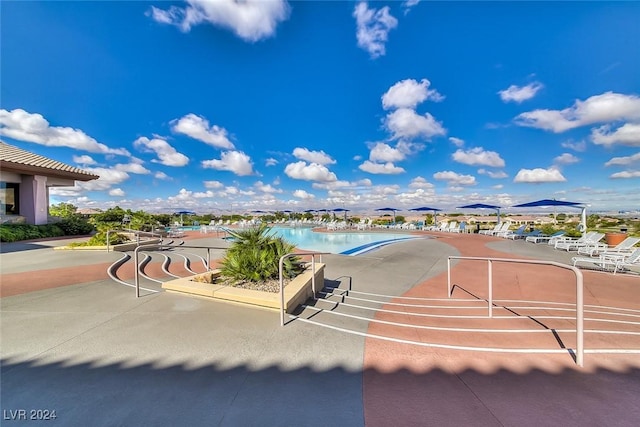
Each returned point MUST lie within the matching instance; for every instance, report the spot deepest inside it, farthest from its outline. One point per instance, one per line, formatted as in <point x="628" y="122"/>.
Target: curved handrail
<point x="137" y="233"/>
<point x="160" y="246"/>
<point x="313" y="275"/>
<point x="579" y="292"/>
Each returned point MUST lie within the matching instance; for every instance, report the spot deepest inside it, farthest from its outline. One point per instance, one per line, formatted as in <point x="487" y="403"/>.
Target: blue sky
<point x="219" y="106"/>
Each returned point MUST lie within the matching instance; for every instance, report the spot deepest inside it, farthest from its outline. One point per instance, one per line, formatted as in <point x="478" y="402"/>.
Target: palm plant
<point x="255" y="254"/>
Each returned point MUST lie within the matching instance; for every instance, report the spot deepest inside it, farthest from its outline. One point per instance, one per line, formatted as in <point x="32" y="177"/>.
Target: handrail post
<point x="448" y="277"/>
<point x="313" y="275"/>
<point x="579" y="318"/>
<point x="208" y="259"/>
<point x="280" y="265"/>
<point x="136" y="273"/>
<point x="490" y="273"/>
<point x="108" y="240"/>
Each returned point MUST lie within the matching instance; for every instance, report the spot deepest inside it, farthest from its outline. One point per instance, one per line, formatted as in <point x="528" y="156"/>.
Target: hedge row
<point x="68" y="227"/>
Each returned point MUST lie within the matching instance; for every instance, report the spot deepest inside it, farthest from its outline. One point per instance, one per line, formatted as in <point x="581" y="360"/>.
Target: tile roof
<point x="17" y="159"/>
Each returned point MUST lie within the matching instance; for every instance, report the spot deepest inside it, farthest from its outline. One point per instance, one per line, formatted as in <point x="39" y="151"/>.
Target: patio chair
<point x="588" y="239"/>
<point x="605" y="261"/>
<point x="624" y="247"/>
<point x="495" y="229"/>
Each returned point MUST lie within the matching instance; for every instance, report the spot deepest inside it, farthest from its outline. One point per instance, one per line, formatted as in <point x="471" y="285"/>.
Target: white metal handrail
<point x="313" y="276"/>
<point x="137" y="233"/>
<point x="579" y="292"/>
<point x="161" y="246"/>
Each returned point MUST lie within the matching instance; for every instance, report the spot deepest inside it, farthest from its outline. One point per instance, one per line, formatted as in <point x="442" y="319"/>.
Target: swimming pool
<point x="351" y="243"/>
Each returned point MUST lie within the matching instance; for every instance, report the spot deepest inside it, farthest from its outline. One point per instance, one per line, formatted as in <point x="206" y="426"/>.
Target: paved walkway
<point x="75" y="342"/>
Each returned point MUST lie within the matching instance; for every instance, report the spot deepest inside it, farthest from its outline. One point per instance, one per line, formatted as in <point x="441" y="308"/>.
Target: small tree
<point x="255" y="254"/>
<point x="63" y="210"/>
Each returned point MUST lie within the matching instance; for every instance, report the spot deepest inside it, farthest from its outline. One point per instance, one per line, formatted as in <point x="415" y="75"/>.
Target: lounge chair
<point x="452" y="226"/>
<point x="624" y="247"/>
<point x="524" y="234"/>
<point x="605" y="261"/>
<point x="504" y="227"/>
<point x="588" y="239"/>
<point x="495" y="229"/>
<point x="509" y="234"/>
<point x="544" y="237"/>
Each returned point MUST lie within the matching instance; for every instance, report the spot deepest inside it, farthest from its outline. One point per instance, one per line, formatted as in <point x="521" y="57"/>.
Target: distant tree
<point x="63" y="210"/>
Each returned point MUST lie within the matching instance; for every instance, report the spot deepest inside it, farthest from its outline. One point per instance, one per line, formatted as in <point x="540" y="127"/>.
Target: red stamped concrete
<point x="30" y="281"/>
<point x="409" y="385"/>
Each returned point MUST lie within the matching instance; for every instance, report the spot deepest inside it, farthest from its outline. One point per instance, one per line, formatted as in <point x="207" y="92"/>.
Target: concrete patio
<point x="78" y="343"/>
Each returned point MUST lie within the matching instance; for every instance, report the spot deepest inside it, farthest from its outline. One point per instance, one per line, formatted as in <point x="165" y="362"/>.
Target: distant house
<point x="25" y="179"/>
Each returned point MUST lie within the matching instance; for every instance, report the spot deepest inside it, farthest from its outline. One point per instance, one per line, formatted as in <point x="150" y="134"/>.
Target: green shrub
<point x="255" y="254"/>
<point x="17" y="232"/>
<point x="100" y="239"/>
<point x="75" y="226"/>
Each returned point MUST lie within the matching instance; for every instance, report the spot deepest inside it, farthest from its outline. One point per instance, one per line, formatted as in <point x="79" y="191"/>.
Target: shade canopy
<point x="389" y="210"/>
<point x="552" y="202"/>
<point x="479" y="206"/>
<point x="547" y="202"/>
<point x="184" y="213"/>
<point x="482" y="206"/>
<point x="425" y="208"/>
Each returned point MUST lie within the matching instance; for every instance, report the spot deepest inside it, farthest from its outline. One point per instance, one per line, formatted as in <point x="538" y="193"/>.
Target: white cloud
<point x="136" y="168"/>
<point x="406" y="123"/>
<point x="198" y="128"/>
<point x="579" y="146"/>
<point x="624" y="161"/>
<point x="84" y="160"/>
<point x="232" y="161"/>
<point x="478" y="156"/>
<point x="301" y="194"/>
<point x="565" y="159"/>
<point x="408" y="94"/>
<point x="319" y="157"/>
<point x="627" y="134"/>
<point x="251" y="20"/>
<point x="493" y="174"/>
<point x="266" y="188"/>
<point x="163" y="176"/>
<point x="607" y="107"/>
<point x="420" y="182"/>
<point x="625" y="175"/>
<point x="167" y="155"/>
<point x="539" y="175"/>
<point x="455" y="179"/>
<point x="213" y="184"/>
<point x="204" y="194"/>
<point x="108" y="178"/>
<point x="309" y="172"/>
<point x="270" y="162"/>
<point x="117" y="192"/>
<point x="520" y="93"/>
<point x="408" y="4"/>
<point x="23" y="126"/>
<point x="387" y="168"/>
<point x="382" y="152"/>
<point x="373" y="28"/>
<point x="456" y="141"/>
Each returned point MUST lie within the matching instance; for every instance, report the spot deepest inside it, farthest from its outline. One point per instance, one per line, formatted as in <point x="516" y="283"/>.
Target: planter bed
<point x="295" y="293"/>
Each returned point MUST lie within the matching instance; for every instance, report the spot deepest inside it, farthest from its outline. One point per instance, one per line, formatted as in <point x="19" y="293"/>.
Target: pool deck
<point x="74" y="341"/>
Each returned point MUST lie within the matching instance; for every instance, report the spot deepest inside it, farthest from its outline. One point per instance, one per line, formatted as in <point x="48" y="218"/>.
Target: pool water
<point x="351" y="243"/>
